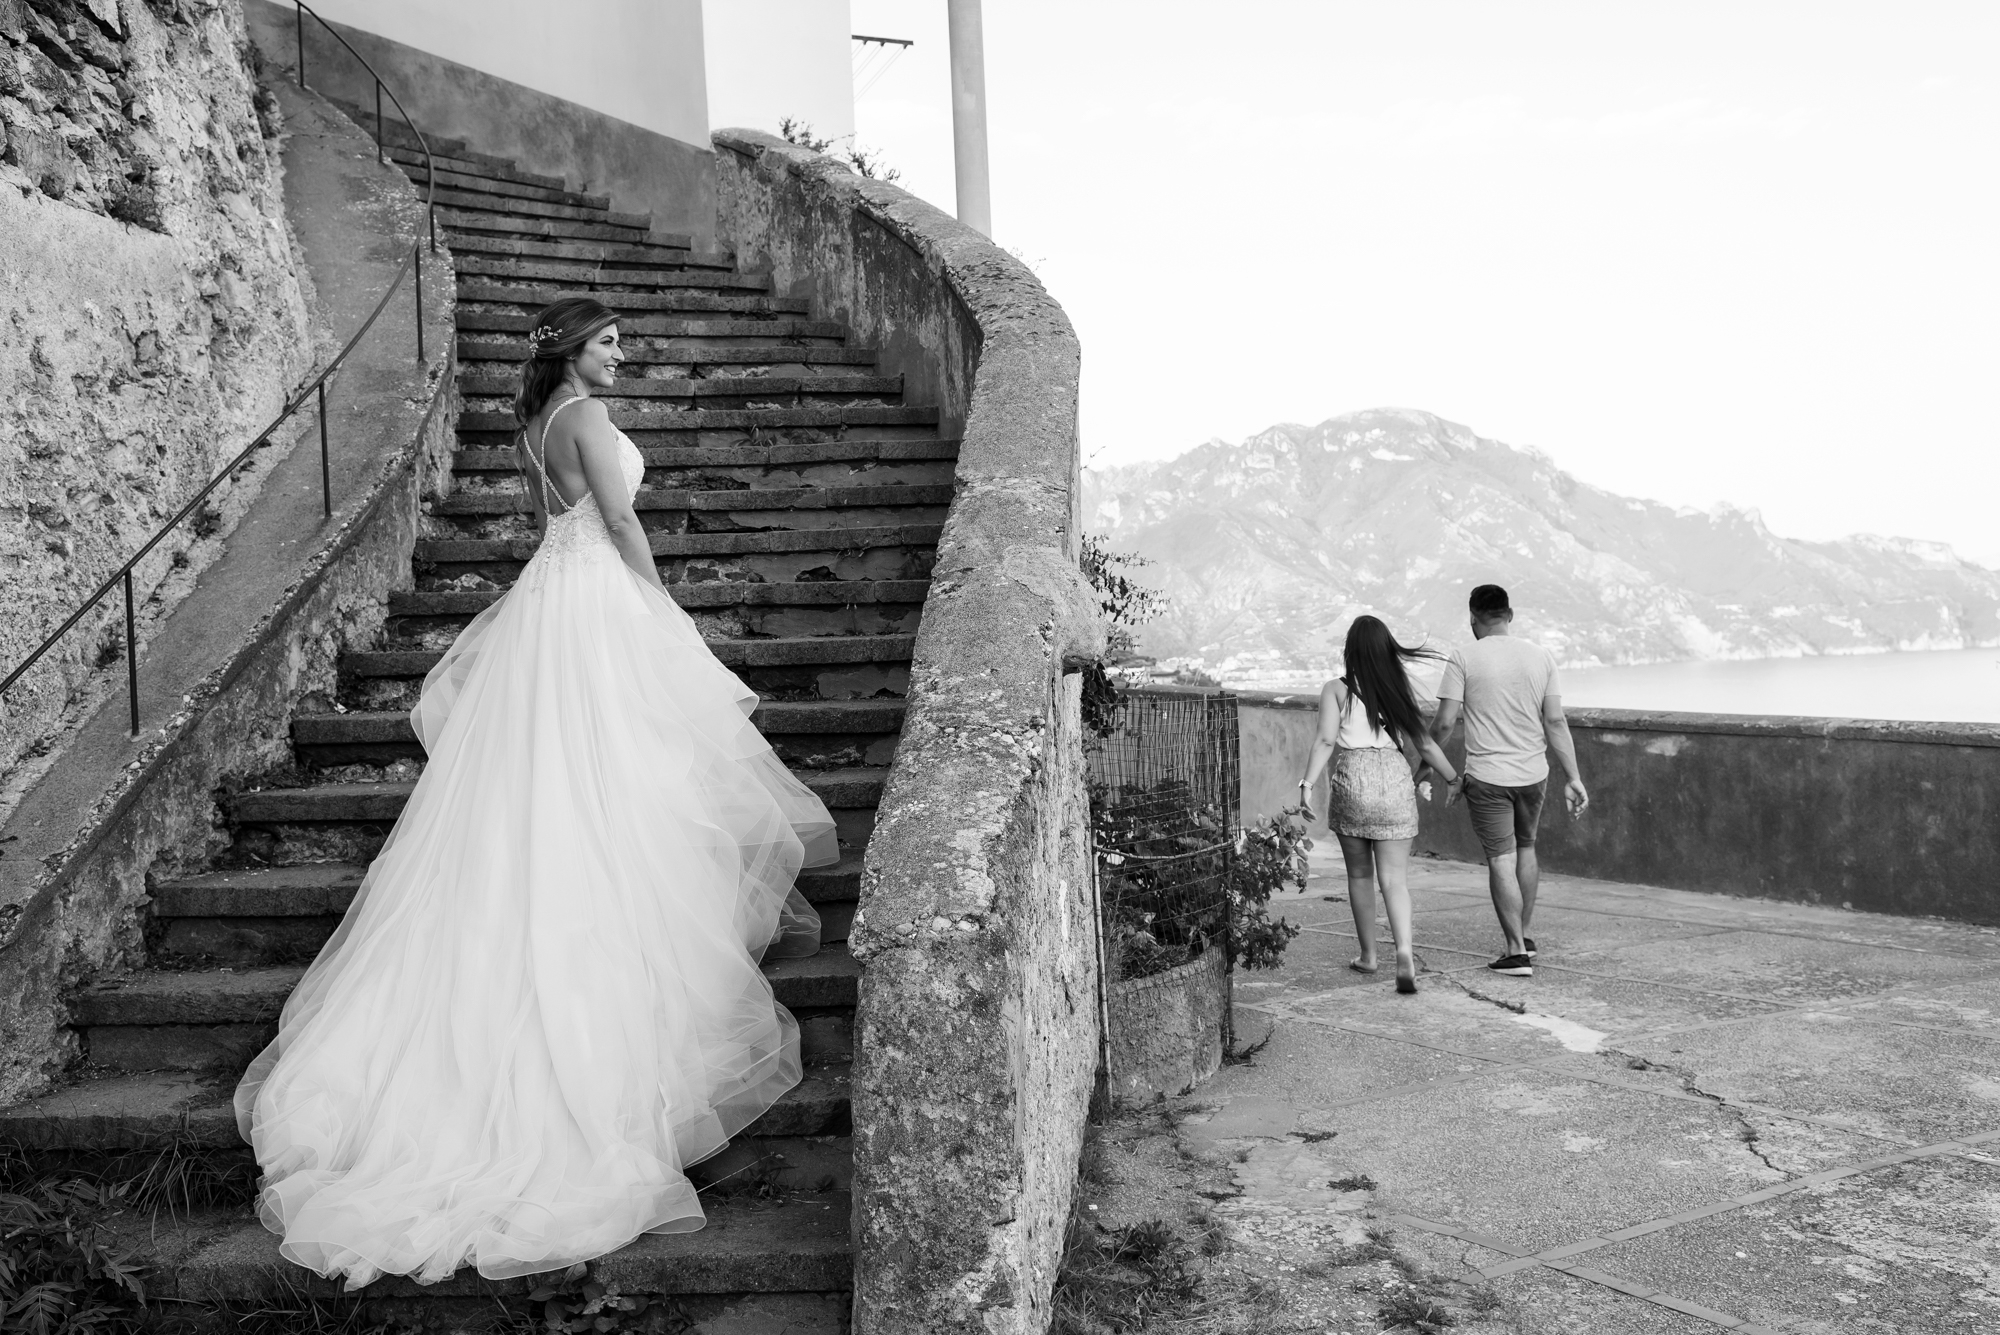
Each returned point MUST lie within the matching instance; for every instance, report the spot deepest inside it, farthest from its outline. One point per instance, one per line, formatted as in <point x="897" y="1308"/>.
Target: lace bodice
<point x="578" y="530"/>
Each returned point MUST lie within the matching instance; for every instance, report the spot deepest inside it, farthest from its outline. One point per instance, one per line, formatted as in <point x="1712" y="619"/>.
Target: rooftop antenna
<point x="873" y="57"/>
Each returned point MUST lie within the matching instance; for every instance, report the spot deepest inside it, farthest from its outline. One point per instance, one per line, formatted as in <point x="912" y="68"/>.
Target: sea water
<point x="1943" y="686"/>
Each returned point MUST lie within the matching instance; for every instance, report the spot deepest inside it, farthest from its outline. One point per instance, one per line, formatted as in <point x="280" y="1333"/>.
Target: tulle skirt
<point x="544" y="1003"/>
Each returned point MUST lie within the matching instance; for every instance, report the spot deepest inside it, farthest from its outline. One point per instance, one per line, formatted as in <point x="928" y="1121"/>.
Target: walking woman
<point x="1373" y="736"/>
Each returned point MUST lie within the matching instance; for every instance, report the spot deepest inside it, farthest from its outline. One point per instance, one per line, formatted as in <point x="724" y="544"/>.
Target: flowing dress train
<point x="545" y="1001"/>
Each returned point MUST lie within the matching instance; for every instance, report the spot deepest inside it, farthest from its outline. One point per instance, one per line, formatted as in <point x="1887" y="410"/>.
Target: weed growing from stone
<point x="1123" y="1279"/>
<point x="1412" y="1312"/>
<point x="1352" y="1182"/>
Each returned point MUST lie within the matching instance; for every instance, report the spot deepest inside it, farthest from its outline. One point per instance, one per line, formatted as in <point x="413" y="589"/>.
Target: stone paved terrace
<point x="1702" y="1113"/>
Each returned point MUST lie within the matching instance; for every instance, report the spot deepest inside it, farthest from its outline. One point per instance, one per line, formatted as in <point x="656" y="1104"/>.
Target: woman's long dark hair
<point x="1377" y="672"/>
<point x="559" y="332"/>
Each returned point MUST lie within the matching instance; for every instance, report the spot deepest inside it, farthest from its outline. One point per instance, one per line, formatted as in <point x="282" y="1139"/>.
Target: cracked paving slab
<point x="1914" y="1247"/>
<point x="1916" y="1085"/>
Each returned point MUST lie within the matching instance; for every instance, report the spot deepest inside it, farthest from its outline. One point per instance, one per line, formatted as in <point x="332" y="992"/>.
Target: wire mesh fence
<point x="1164" y="814"/>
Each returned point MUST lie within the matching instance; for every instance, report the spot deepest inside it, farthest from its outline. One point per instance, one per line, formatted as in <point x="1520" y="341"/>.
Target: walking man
<point x="1507" y="690"/>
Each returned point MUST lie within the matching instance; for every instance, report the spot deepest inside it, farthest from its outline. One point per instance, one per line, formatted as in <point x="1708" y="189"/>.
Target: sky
<point x="1742" y="252"/>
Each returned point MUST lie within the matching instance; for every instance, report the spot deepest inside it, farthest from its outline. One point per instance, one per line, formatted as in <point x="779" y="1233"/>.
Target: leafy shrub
<point x="58" y="1276"/>
<point x="1271" y="854"/>
<point x="1126" y="606"/>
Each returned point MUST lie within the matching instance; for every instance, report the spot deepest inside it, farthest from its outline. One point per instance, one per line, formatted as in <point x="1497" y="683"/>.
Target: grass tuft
<point x="1406" y="1310"/>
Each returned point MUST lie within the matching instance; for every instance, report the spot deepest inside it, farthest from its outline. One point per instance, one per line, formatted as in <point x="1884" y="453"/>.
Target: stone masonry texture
<point x="152" y="310"/>
<point x="262" y="630"/>
<point x="978" y="1012"/>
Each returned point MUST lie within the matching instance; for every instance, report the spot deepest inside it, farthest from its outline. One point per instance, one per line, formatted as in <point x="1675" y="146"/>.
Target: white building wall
<point x="638" y="60"/>
<point x="769" y="59"/>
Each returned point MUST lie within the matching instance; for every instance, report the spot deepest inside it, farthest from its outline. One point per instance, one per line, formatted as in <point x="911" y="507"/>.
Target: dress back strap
<point x="542" y="463"/>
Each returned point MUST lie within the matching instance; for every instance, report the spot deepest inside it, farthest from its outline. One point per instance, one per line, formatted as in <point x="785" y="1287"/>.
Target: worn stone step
<point x="460" y="551"/>
<point x="524" y="300"/>
<point x="762" y="327"/>
<point x="657" y="252"/>
<point x="515" y="206"/>
<point x="153" y="998"/>
<point x="636" y="393"/>
<point x="398" y="134"/>
<point x="577" y="275"/>
<point x="808" y="735"/>
<point x="796" y="1248"/>
<point x="318" y="889"/>
<point x="846" y="449"/>
<point x="770" y="717"/>
<point x="793" y="652"/>
<point x="707" y="595"/>
<point x="112" y="1113"/>
<point x="728" y="419"/>
<point x="412" y="162"/>
<point x="493" y="348"/>
<point x="377" y="802"/>
<point x="465" y="175"/>
<point x="431" y="620"/>
<point x="457" y="223"/>
<point x="346" y="822"/>
<point x="734" y="500"/>
<point x="294" y="927"/>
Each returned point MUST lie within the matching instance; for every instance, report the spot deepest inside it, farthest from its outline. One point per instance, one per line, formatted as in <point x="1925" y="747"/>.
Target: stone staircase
<point x="794" y="503"/>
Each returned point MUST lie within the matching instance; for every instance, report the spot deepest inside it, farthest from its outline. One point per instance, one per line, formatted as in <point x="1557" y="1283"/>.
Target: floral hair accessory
<point x="545" y="334"/>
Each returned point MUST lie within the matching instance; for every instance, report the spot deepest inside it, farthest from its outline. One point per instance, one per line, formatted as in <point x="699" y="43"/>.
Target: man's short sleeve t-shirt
<point x="1503" y="681"/>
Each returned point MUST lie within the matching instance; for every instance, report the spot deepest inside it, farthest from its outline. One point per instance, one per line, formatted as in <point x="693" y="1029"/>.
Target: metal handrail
<point x="314" y="388"/>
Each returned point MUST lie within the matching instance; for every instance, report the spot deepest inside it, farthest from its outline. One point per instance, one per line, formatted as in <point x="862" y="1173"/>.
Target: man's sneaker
<point x="1529" y="942"/>
<point x="1516" y="965"/>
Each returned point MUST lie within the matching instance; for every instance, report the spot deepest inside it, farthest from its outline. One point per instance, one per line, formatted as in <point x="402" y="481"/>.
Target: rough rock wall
<point x="978" y="1021"/>
<point x="152" y="312"/>
<point x="260" y="633"/>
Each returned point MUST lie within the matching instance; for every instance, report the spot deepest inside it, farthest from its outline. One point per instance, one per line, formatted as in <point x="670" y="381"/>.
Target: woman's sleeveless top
<point x="1355" y="734"/>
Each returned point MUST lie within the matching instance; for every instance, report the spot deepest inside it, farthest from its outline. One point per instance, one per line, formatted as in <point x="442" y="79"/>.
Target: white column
<point x="968" y="115"/>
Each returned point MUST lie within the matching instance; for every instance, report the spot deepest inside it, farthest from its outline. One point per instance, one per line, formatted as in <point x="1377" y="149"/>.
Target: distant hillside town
<point x="1267" y="549"/>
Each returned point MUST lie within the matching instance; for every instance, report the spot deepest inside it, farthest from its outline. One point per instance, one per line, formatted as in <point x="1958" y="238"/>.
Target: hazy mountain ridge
<point x="1268" y="548"/>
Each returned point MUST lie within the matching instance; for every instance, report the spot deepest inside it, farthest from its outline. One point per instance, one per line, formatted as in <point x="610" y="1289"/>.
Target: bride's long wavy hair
<point x="560" y="331"/>
<point x="1377" y="671"/>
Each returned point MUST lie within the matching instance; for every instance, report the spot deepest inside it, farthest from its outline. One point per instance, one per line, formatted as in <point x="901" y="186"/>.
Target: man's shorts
<point x="1504" y="817"/>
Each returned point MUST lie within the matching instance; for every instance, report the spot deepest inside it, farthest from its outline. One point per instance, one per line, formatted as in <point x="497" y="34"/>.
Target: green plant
<point x="1408" y="1310"/>
<point x="1126" y="606"/>
<point x="1272" y="854"/>
<point x="58" y="1275"/>
<point x="285" y="1307"/>
<point x="865" y="161"/>
<point x="574" y="1304"/>
<point x="1123" y="1279"/>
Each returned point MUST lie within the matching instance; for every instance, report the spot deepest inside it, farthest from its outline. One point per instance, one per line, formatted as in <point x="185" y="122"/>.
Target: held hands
<point x="1575" y="795"/>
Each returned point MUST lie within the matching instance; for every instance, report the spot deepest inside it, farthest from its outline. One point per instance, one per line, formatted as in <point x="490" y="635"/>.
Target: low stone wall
<point x="1166" y="1028"/>
<point x="263" y="628"/>
<point x="1885" y="817"/>
<point x="154" y="318"/>
<point x="978" y="1022"/>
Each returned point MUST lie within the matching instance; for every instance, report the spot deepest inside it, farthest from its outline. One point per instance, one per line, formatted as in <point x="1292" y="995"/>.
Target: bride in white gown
<point x="545" y="1003"/>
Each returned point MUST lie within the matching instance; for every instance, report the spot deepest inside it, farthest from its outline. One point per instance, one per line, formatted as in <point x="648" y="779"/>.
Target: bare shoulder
<point x="588" y="416"/>
<point x="580" y="420"/>
<point x="1333" y="693"/>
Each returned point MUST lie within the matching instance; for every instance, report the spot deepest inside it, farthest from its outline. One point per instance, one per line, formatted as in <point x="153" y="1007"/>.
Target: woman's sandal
<point x="1358" y="967"/>
<point x="1407" y="982"/>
